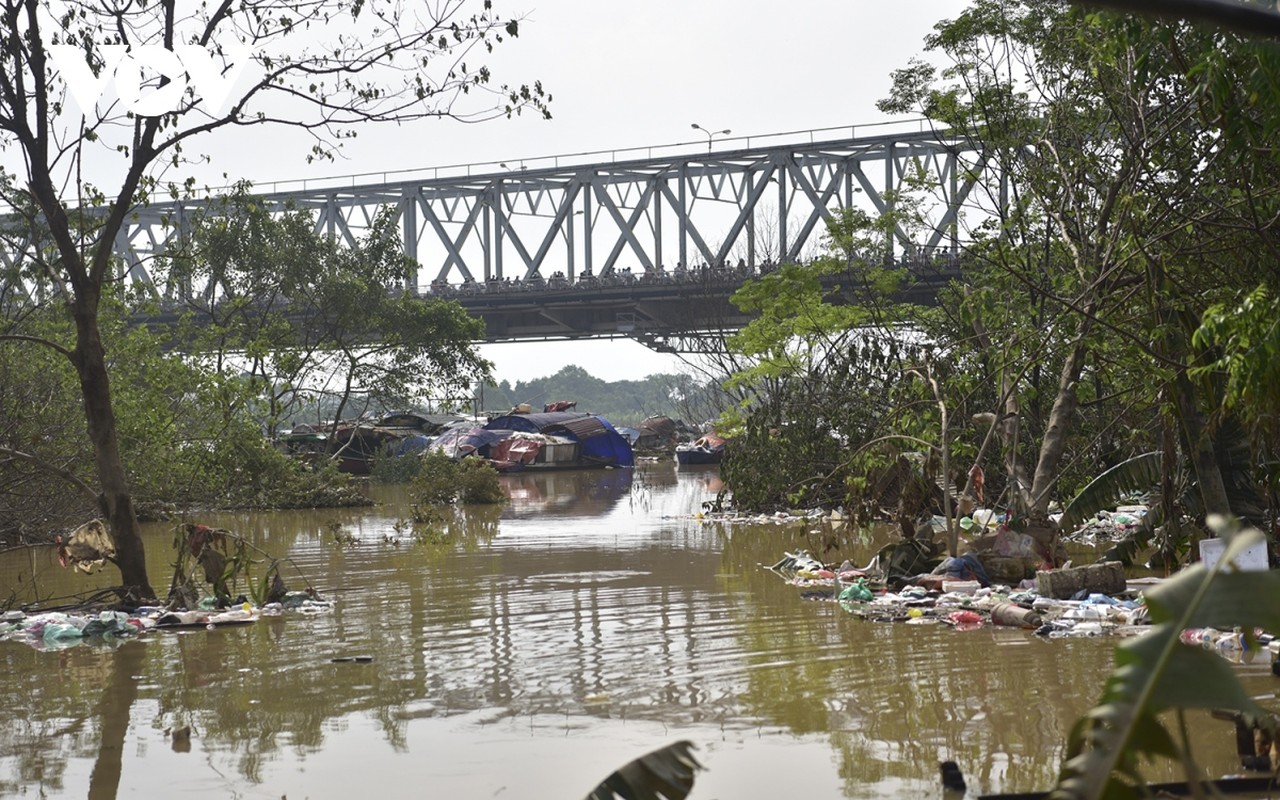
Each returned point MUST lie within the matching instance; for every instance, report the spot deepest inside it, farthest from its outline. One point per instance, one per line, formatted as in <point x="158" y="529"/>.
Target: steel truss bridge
<point x="647" y="243"/>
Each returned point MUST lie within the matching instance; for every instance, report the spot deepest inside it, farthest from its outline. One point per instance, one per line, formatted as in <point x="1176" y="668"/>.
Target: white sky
<point x="634" y="75"/>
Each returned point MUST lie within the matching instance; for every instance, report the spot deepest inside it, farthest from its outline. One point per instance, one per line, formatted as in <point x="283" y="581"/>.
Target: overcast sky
<point x="638" y="74"/>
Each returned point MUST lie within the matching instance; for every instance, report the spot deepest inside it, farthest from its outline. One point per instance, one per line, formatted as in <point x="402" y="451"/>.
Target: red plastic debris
<point x="965" y="620"/>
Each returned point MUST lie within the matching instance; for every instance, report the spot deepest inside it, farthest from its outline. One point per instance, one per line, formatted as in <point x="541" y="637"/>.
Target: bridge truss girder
<point x="754" y="205"/>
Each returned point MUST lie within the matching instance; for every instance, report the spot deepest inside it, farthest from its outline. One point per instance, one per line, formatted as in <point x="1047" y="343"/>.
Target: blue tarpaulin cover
<point x="599" y="442"/>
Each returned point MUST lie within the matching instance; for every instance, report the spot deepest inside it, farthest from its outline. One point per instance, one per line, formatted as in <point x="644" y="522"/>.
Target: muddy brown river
<point x="533" y="650"/>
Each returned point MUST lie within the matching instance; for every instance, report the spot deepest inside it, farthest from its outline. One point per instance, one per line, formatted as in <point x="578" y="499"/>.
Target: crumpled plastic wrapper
<point x="88" y="547"/>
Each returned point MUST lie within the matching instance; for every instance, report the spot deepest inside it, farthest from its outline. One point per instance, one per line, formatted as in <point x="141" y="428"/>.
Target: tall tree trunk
<point x="1007" y="423"/>
<point x="1197" y="442"/>
<point x="1015" y="470"/>
<point x="116" y="501"/>
<point x="1213" y="491"/>
<point x="1054" y="440"/>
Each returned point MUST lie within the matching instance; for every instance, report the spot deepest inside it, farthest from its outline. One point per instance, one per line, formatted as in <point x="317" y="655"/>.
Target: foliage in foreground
<point x="666" y="773"/>
<point x="1156" y="673"/>
<point x="224" y="561"/>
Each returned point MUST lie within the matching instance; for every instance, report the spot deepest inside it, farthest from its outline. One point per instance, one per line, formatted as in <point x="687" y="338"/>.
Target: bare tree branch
<point x="85" y="489"/>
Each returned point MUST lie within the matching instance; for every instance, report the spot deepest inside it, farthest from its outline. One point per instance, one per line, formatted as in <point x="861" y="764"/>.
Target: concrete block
<point x="1009" y="570"/>
<point x="1061" y="584"/>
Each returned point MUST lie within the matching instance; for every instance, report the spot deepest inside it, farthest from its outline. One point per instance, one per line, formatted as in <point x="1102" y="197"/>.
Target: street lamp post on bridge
<point x="711" y="135"/>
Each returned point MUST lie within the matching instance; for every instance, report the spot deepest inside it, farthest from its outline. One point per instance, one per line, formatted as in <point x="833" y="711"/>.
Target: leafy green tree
<point x="1246" y="339"/>
<point x="1233" y="86"/>
<point x="42" y="444"/>
<point x="1019" y="82"/>
<point x="1113" y="217"/>
<point x="1109" y="213"/>
<point x="297" y="316"/>
<point x="183" y="445"/>
<point x="384" y="62"/>
<point x="831" y="355"/>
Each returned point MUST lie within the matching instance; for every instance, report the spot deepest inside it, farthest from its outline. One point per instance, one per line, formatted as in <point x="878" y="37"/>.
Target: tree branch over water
<point x="68" y="476"/>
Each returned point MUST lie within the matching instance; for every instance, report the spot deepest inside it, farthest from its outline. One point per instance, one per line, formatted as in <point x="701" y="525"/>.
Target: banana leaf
<point x="665" y="774"/>
<point x="1138" y="474"/>
<point x="1235" y="460"/>
<point x="1235" y="457"/>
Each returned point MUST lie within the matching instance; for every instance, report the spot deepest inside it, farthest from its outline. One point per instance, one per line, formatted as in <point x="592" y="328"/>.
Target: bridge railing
<point x="586" y="157"/>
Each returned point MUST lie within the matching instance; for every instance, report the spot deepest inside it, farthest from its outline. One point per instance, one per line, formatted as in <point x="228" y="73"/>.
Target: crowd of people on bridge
<point x="650" y="276"/>
<point x="721" y="273"/>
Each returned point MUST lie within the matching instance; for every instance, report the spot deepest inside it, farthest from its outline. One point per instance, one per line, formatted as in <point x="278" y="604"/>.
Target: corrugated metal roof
<point x="583" y="428"/>
<point x="534" y="422"/>
<point x="661" y="426"/>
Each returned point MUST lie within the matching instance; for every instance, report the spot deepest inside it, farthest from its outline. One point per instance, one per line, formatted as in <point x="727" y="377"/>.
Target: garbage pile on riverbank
<point x="966" y="604"/>
<point x="57" y="630"/>
<point x="967" y="592"/>
<point x="1107" y="526"/>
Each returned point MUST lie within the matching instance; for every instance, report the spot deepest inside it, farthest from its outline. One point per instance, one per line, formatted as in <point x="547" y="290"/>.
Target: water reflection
<point x="705" y="475"/>
<point x="113" y="710"/>
<point x="565" y="492"/>
<point x="532" y="649"/>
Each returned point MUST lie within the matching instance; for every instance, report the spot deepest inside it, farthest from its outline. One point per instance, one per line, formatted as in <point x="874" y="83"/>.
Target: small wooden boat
<point x="707" y="450"/>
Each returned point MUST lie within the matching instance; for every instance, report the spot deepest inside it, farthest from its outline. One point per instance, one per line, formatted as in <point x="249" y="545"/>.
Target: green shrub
<point x="437" y="481"/>
<point x="443" y="481"/>
<point x="245" y="471"/>
<point x="326" y="487"/>
<point x="388" y="468"/>
<point x="479" y="482"/>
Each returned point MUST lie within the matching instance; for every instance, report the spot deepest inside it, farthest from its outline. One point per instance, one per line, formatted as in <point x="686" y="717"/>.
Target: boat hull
<point x="692" y="457"/>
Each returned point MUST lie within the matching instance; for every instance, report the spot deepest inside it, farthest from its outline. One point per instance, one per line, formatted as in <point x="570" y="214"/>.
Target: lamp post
<point x="711" y="135"/>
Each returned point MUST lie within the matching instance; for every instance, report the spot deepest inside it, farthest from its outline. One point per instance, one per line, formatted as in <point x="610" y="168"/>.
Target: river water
<point x="532" y="649"/>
